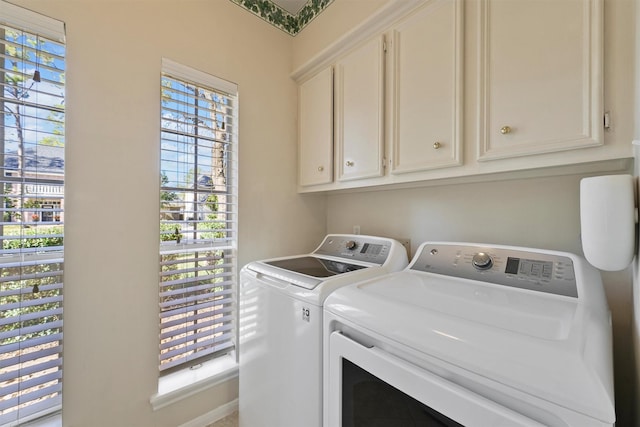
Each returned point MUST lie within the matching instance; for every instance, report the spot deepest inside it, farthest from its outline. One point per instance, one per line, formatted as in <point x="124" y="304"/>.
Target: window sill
<point x="52" y="420"/>
<point x="187" y="382"/>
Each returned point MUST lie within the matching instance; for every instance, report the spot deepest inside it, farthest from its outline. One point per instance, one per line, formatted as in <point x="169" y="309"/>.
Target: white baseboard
<point x="212" y="416"/>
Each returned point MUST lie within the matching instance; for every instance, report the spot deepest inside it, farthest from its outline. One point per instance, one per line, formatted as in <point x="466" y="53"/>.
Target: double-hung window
<point x="198" y="216"/>
<point x="32" y="70"/>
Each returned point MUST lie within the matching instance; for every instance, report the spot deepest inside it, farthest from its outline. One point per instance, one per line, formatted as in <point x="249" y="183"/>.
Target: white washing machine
<point x="471" y="335"/>
<point x="280" y="329"/>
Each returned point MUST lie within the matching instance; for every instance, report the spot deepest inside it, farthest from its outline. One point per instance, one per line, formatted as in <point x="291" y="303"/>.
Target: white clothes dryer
<point x="472" y="335"/>
<point x="280" y="342"/>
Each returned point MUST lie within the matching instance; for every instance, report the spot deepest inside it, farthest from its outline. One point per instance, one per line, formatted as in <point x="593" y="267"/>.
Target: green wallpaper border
<point x="287" y="22"/>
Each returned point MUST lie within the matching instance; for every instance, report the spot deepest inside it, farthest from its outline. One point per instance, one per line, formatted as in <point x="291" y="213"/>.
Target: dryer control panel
<point x="542" y="271"/>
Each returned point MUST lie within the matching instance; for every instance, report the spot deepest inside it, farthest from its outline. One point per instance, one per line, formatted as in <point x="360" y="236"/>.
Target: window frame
<point x="185" y="242"/>
<point x="38" y="186"/>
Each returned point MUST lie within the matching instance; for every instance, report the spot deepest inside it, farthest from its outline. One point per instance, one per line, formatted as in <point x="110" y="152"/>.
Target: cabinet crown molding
<point x="379" y="22"/>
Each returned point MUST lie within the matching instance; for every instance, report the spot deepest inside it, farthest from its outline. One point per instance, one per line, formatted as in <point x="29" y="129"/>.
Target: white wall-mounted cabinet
<point x="402" y="86"/>
<point x="315" y="129"/>
<point x="540" y="80"/>
<point x="359" y="112"/>
<point x="425" y="89"/>
<point x="470" y="88"/>
<point x="344" y="100"/>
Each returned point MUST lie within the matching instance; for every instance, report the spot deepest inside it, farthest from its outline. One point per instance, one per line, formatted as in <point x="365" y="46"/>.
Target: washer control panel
<point x="514" y="267"/>
<point x="361" y="248"/>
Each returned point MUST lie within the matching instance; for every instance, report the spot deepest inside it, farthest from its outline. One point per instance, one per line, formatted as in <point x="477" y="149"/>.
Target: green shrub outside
<point x="17" y="238"/>
<point x="25" y="241"/>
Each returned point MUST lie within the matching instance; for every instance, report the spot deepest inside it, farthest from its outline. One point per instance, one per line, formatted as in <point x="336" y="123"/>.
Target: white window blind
<point x="198" y="216"/>
<point x="32" y="68"/>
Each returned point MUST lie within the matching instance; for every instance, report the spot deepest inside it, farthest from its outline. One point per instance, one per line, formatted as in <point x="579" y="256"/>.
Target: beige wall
<point x="541" y="212"/>
<point x="114" y="55"/>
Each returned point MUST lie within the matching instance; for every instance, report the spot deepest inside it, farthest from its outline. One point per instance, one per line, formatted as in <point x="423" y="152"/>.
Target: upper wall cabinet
<point x="359" y="112"/>
<point x="532" y="76"/>
<point x="426" y="88"/>
<point x="315" y="129"/>
<point x="540" y="87"/>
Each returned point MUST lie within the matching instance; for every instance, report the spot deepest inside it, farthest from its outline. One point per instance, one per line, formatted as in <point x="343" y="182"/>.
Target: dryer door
<point x="368" y="386"/>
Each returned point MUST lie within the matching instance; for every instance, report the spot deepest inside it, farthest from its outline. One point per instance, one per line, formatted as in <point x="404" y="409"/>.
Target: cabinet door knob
<point x="505" y="130"/>
<point x="320" y="168"/>
<point x="349" y="163"/>
<point x="437" y="145"/>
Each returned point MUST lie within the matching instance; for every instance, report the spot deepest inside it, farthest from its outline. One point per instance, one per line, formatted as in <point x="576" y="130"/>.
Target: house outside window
<point x="32" y="75"/>
<point x="198" y="217"/>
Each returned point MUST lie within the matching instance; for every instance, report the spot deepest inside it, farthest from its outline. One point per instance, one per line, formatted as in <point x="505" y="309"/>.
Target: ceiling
<point x="291" y="16"/>
<point x="291" y="6"/>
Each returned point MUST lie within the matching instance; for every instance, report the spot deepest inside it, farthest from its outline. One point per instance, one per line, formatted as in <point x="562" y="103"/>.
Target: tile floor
<point x="230" y="421"/>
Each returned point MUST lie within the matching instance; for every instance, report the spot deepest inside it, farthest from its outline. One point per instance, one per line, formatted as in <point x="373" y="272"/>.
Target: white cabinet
<point x="420" y="87"/>
<point x="315" y="129"/>
<point x="345" y="99"/>
<point x="425" y="89"/>
<point x="540" y="76"/>
<point x="530" y="79"/>
<point x="359" y="112"/>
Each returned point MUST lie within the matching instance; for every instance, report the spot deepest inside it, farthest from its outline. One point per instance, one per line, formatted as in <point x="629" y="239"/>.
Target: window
<point x="198" y="216"/>
<point x="32" y="69"/>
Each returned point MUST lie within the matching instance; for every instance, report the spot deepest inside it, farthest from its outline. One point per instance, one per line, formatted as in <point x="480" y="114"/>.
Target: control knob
<point x="482" y="261"/>
<point x="351" y="245"/>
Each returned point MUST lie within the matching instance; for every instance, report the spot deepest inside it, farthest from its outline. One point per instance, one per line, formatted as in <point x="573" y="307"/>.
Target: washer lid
<point x="340" y="259"/>
<point x="306" y="271"/>
<point x="553" y="347"/>
<point x="314" y="266"/>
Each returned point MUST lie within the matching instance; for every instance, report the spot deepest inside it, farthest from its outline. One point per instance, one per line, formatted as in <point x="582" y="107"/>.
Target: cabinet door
<point x="540" y="76"/>
<point x="359" y="112"/>
<point x="426" y="88"/>
<point x="315" y="137"/>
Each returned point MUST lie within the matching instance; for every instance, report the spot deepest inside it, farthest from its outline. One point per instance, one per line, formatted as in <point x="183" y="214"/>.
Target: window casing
<point x="32" y="75"/>
<point x="198" y="216"/>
